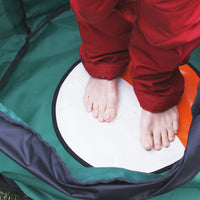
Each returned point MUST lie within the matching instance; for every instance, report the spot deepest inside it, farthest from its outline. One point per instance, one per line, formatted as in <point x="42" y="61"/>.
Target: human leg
<point x="165" y="33"/>
<point x="104" y="52"/>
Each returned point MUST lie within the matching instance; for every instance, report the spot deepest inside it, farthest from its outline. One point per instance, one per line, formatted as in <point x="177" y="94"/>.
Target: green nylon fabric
<point x="195" y="58"/>
<point x="12" y="33"/>
<point x="28" y="94"/>
<point x="37" y="11"/>
<point x="30" y="89"/>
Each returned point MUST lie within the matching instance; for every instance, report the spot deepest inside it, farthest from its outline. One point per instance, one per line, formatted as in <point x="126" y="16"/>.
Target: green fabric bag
<point x="39" y="42"/>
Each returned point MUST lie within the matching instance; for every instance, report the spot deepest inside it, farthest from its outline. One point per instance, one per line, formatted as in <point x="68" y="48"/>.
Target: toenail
<point x="157" y="147"/>
<point x="171" y="138"/>
<point x="107" y="117"/>
<point x="101" y="119"/>
<point x="166" y="144"/>
<point x="147" y="146"/>
<point x="88" y="109"/>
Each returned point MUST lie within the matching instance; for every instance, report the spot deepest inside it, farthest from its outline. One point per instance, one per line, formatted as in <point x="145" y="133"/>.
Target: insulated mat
<point x="115" y="144"/>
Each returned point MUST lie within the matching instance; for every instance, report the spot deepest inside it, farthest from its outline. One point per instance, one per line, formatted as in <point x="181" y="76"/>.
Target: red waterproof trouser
<point x="159" y="35"/>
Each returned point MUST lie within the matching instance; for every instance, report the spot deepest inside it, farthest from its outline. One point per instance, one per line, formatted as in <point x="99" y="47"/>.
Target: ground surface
<point x="12" y="196"/>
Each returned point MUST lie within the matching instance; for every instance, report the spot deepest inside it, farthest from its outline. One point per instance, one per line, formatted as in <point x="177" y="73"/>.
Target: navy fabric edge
<point x="38" y="157"/>
<point x="196" y="105"/>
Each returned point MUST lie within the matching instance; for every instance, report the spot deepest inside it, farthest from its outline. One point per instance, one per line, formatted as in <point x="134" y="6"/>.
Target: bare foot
<point x="158" y="129"/>
<point x="101" y="98"/>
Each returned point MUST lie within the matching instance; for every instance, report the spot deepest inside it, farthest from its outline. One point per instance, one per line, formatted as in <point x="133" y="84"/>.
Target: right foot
<point x="101" y="98"/>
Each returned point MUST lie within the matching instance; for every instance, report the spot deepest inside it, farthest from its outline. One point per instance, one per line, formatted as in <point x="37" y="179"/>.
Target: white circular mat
<point x="113" y="144"/>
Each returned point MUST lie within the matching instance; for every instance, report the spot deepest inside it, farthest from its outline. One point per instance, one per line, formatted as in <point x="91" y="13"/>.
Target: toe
<point x="146" y="140"/>
<point x="88" y="107"/>
<point x="110" y="113"/>
<point x="101" y="113"/>
<point x="95" y="111"/>
<point x="175" y="126"/>
<point x="157" y="140"/>
<point x="148" y="144"/>
<point x="100" y="118"/>
<point x="87" y="103"/>
<point x="171" y="134"/>
<point x="165" y="140"/>
<point x="175" y="121"/>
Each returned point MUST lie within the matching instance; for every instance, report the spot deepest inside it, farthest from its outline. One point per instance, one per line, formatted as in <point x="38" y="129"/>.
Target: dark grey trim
<point x="38" y="157"/>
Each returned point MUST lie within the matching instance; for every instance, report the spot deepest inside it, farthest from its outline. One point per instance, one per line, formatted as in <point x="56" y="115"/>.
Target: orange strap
<point x="184" y="106"/>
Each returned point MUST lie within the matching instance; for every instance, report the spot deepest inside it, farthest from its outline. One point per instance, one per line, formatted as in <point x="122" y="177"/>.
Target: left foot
<point x="158" y="129"/>
<point x="101" y="98"/>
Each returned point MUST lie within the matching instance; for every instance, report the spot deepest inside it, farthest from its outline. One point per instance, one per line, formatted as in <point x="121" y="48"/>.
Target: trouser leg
<point x="164" y="35"/>
<point x="105" y="36"/>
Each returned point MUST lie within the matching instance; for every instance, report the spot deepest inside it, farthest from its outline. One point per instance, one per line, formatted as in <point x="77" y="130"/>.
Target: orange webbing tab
<point x="184" y="106"/>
